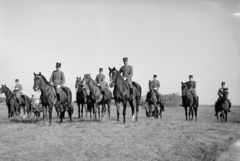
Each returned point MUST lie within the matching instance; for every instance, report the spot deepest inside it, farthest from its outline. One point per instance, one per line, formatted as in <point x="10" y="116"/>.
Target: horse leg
<point x="102" y="111"/>
<point x="226" y="113"/>
<point x="124" y="111"/>
<point x="118" y="110"/>
<point x="132" y="107"/>
<point x="50" y="114"/>
<point x="196" y="114"/>
<point x="185" y="112"/>
<point x="44" y="114"/>
<point x="109" y="106"/>
<point x="137" y="108"/>
<point x="99" y="110"/>
<point x="24" y="111"/>
<point x="95" y="111"/>
<point x="78" y="110"/>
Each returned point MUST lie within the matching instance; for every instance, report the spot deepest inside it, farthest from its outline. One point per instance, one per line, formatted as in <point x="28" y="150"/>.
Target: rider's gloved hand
<point x="58" y="86"/>
<point x="155" y="89"/>
<point x="125" y="78"/>
<point x="98" y="84"/>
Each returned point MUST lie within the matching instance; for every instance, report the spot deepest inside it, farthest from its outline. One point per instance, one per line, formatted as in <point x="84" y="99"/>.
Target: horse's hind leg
<point x="78" y="110"/>
<point x="196" y="114"/>
<point x="132" y="107"/>
<point x="86" y="109"/>
<point x="226" y="113"/>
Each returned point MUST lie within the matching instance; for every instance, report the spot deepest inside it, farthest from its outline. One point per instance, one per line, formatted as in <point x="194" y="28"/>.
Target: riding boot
<point x="58" y="98"/>
<point x="131" y="93"/>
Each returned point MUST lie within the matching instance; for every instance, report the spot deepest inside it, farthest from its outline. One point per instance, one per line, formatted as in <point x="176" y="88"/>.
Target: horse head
<point x="184" y="88"/>
<point x="114" y="76"/>
<point x="39" y="81"/>
<point x="3" y="89"/>
<point x="87" y="80"/>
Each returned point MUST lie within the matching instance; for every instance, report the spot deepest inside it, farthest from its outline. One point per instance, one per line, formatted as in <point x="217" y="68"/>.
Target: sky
<point x="170" y="38"/>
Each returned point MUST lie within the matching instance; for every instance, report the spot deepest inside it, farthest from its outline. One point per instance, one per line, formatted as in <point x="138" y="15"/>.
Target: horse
<point x="152" y="101"/>
<point x="121" y="93"/>
<point x="37" y="107"/>
<point x="49" y="97"/>
<point x="223" y="106"/>
<point x="13" y="105"/>
<point x="95" y="94"/>
<point x="189" y="101"/>
<point x="106" y="100"/>
<point x="82" y="98"/>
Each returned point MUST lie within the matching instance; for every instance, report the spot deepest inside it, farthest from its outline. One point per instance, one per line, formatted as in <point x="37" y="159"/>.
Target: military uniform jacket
<point x="221" y="90"/>
<point x="192" y="86"/>
<point x="127" y="71"/>
<point x="18" y="87"/>
<point x="100" y="78"/>
<point x="155" y="84"/>
<point x="57" y="78"/>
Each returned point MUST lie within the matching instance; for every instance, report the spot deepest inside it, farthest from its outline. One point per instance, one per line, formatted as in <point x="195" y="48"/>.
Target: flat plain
<point x="170" y="138"/>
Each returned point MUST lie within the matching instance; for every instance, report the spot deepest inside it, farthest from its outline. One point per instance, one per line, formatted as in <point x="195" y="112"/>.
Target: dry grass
<point x="171" y="138"/>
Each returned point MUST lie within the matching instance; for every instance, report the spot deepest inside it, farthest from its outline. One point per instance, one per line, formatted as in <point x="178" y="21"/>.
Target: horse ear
<point x="80" y="78"/>
<point x="40" y="73"/>
<point x="77" y="78"/>
<point x="34" y="74"/>
<point x="182" y="82"/>
<point x="109" y="68"/>
<point x="114" y="68"/>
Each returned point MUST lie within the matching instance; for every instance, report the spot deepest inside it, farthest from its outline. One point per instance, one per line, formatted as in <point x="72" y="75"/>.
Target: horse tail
<point x="139" y="89"/>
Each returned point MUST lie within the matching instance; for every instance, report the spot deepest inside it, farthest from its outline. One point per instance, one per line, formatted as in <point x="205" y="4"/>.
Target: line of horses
<point x="98" y="98"/>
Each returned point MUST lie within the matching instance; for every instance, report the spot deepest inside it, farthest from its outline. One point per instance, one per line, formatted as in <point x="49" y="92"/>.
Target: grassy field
<point x="171" y="138"/>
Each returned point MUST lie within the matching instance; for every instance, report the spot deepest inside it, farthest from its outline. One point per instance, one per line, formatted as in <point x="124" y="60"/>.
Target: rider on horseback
<point x="220" y="94"/>
<point x="57" y="80"/>
<point x="192" y="88"/>
<point x="155" y="86"/>
<point x="17" y="90"/>
<point x="100" y="80"/>
<point x="127" y="73"/>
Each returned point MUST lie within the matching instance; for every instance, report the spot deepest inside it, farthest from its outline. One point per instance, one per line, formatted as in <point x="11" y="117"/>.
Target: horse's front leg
<point x="50" y="114"/>
<point x="78" y="104"/>
<point x="132" y="107"/>
<point x="124" y="111"/>
<point x="118" y="109"/>
<point x="186" y="112"/>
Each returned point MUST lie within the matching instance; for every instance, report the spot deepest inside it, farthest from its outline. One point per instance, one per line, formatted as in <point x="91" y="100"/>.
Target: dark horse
<point x="82" y="98"/>
<point x="121" y="93"/>
<point x="13" y="106"/>
<point x="106" y="100"/>
<point x="49" y="98"/>
<point x="95" y="94"/>
<point x="189" y="101"/>
<point x="223" y="106"/>
<point x="152" y="101"/>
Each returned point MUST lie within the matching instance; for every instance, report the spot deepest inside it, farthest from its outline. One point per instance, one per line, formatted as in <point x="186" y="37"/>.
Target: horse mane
<point x="94" y="83"/>
<point x="45" y="80"/>
<point x="118" y="74"/>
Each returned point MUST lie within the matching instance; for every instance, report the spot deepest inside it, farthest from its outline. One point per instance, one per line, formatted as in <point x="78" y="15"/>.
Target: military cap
<point x="58" y="64"/>
<point x="125" y="59"/>
<point x="190" y="76"/>
<point x="223" y="83"/>
<point x="100" y="69"/>
<point x="154" y="76"/>
<point x="16" y="80"/>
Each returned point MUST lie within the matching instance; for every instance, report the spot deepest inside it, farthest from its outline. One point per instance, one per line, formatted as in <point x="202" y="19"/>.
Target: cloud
<point x="236" y="15"/>
<point x="211" y="4"/>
